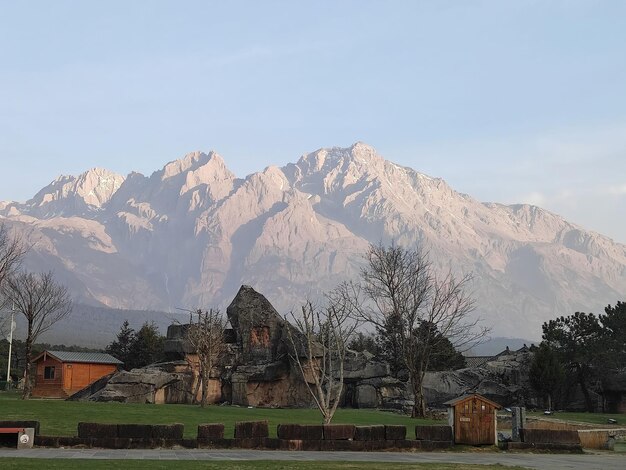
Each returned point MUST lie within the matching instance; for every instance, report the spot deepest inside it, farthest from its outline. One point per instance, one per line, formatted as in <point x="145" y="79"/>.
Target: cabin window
<point x="48" y="372"/>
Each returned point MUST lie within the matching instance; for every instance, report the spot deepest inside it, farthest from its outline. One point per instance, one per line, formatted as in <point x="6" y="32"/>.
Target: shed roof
<point x="87" y="357"/>
<point x="460" y="399"/>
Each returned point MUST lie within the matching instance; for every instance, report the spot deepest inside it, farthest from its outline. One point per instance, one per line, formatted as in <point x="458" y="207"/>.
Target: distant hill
<point x="96" y="327"/>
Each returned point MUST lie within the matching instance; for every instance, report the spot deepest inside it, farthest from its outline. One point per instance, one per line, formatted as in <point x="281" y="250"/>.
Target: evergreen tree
<point x="122" y="348"/>
<point x="364" y="342"/>
<point x="147" y="346"/>
<point x="546" y="373"/>
<point x="580" y="342"/>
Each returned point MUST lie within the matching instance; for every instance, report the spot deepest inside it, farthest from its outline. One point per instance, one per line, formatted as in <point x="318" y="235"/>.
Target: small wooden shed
<point x="62" y="373"/>
<point x="473" y="420"/>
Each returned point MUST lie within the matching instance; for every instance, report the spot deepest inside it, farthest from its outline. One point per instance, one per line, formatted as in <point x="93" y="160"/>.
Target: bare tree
<point x="43" y="302"/>
<point x="12" y="250"/>
<point x="206" y="337"/>
<point x="319" y="344"/>
<point x="414" y="309"/>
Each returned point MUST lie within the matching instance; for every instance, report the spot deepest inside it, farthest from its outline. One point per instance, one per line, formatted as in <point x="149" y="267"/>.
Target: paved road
<point x="600" y="461"/>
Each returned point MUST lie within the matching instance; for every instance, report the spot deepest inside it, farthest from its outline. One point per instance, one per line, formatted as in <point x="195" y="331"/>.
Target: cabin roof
<point x="86" y="357"/>
<point x="462" y="398"/>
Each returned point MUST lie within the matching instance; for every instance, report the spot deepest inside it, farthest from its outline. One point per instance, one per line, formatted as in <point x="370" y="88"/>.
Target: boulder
<point x="366" y="396"/>
<point x="258" y="325"/>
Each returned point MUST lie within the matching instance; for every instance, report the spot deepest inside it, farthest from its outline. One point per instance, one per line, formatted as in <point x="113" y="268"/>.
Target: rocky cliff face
<point x="191" y="233"/>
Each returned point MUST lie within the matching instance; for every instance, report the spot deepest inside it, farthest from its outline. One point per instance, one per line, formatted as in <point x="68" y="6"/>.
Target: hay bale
<point x="290" y="444"/>
<point x="272" y="443"/>
<point x="433" y="433"/>
<point x="369" y="433"/>
<point x="111" y="442"/>
<point x="288" y="432"/>
<point x="215" y="443"/>
<point x="251" y="429"/>
<point x="550" y="436"/>
<point x="189" y="443"/>
<point x="328" y="445"/>
<point x="97" y="430"/>
<point x="248" y="442"/>
<point x="70" y="441"/>
<point x="300" y="431"/>
<point x="211" y="431"/>
<point x="434" y="445"/>
<point x="363" y="433"/>
<point x="47" y="441"/>
<point x="407" y="444"/>
<point x="395" y="432"/>
<point x="168" y="431"/>
<point x="599" y="439"/>
<point x="338" y="432"/>
<point x="143" y="431"/>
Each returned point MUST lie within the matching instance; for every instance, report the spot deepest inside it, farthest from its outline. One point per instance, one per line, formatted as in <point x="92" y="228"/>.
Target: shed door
<point x="474" y="423"/>
<point x="67" y="376"/>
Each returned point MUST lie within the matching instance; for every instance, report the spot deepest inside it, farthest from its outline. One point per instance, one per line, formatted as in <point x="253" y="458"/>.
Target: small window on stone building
<point x="48" y="372"/>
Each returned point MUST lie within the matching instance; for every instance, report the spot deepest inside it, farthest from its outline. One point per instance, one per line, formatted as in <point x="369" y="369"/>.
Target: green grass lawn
<point x="60" y="418"/>
<point x="25" y="464"/>
<point x="593" y="418"/>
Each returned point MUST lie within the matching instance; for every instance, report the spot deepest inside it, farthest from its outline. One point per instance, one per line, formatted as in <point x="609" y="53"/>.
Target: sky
<point x="511" y="102"/>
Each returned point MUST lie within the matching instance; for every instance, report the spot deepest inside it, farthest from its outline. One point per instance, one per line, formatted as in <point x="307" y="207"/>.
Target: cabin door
<point x="67" y="376"/>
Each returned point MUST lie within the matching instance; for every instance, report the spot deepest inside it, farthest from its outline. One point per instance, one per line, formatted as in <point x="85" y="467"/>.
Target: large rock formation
<point x="258" y="370"/>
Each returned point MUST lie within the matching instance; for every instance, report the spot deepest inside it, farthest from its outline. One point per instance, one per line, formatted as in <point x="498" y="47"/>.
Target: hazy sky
<point x="509" y="101"/>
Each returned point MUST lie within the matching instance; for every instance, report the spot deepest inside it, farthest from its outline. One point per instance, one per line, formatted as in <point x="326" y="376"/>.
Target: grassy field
<point x="60" y="418"/>
<point x="593" y="418"/>
<point x="25" y="464"/>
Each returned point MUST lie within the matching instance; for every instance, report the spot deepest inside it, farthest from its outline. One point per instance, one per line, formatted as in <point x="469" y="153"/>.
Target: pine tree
<point x="122" y="347"/>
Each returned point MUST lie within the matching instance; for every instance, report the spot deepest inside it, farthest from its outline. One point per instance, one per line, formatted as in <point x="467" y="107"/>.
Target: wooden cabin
<point x="473" y="420"/>
<point x="62" y="373"/>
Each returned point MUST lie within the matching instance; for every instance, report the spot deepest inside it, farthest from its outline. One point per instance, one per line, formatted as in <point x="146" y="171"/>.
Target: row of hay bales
<point x="591" y="436"/>
<point x="255" y="434"/>
<point x="564" y="439"/>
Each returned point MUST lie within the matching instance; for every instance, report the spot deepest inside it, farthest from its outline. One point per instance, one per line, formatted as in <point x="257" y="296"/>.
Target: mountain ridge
<point x="189" y="234"/>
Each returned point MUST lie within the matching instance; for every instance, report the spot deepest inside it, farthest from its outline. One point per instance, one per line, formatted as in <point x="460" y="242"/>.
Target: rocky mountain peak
<point x="68" y="195"/>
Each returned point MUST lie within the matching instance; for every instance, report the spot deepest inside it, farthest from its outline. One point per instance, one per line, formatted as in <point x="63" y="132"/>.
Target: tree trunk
<point x="549" y="402"/>
<point x="196" y="388"/>
<point x="583" y="387"/>
<point x="29" y="351"/>
<point x="205" y="388"/>
<point x="419" y="406"/>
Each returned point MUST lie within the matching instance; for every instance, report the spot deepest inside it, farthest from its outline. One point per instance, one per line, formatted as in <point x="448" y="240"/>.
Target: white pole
<point x="10" y="344"/>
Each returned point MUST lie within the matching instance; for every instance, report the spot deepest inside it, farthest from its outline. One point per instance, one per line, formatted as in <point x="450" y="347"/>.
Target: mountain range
<point x="192" y="232"/>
